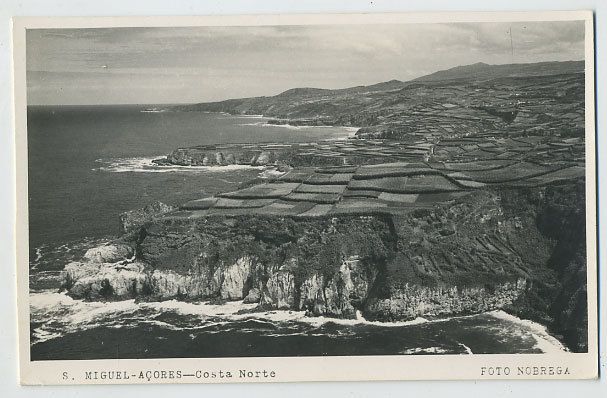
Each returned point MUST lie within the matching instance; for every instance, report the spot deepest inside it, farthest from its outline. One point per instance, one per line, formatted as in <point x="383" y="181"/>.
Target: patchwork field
<point x="420" y="143"/>
<point x="354" y="181"/>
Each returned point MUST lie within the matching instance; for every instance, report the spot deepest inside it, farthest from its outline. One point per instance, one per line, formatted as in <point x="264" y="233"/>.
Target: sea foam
<point x="145" y="165"/>
<point x="56" y="314"/>
<point x="545" y="342"/>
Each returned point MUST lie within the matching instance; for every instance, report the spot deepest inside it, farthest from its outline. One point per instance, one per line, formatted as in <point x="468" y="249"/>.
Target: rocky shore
<point x="211" y="156"/>
<point x="380" y="266"/>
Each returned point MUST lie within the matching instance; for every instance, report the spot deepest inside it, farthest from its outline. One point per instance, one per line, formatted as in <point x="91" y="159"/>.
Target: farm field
<point x="430" y="144"/>
<point x="447" y="171"/>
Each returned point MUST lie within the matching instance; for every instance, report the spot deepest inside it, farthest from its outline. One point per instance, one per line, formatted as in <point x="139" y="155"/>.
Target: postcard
<point x="276" y="198"/>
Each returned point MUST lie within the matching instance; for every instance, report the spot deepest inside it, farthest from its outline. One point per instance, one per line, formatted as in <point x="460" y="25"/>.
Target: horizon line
<point x="300" y="87"/>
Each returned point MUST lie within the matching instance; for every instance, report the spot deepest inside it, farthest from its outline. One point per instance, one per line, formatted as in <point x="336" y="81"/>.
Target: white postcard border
<point x="287" y="369"/>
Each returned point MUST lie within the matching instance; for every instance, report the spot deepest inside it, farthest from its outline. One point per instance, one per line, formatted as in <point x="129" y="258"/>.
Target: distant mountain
<point x="308" y="91"/>
<point x="465" y="99"/>
<point x="384" y="86"/>
<point x="482" y="71"/>
<point x="284" y="104"/>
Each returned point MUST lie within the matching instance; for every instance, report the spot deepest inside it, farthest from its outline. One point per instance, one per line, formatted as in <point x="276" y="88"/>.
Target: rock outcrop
<point x="388" y="268"/>
<point x="109" y="253"/>
<point x="104" y="281"/>
<point x="211" y="156"/>
<point x="132" y="220"/>
<point x="413" y="301"/>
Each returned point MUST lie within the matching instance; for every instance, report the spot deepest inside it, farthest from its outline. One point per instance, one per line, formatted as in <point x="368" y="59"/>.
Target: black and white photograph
<point x="302" y="190"/>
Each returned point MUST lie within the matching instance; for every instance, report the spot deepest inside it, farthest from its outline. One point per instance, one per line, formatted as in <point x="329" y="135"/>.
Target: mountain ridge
<point x="468" y="98"/>
<point x="477" y="71"/>
<point x="482" y="70"/>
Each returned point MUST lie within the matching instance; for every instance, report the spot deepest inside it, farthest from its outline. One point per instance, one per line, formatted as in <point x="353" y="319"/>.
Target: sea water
<point x="89" y="164"/>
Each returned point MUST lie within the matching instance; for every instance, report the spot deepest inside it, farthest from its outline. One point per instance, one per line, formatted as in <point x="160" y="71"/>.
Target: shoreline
<point x="351" y="130"/>
<point x="85" y="315"/>
<point x="146" y="164"/>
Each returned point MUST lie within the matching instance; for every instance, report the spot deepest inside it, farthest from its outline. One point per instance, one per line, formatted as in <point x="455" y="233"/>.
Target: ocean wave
<point x="426" y="350"/>
<point x="545" y="342"/>
<point x="47" y="257"/>
<point x="349" y="130"/>
<point x="250" y="116"/>
<point x="38" y="252"/>
<point x="237" y="311"/>
<point x="465" y="347"/>
<point x="145" y="165"/>
<point x="55" y="314"/>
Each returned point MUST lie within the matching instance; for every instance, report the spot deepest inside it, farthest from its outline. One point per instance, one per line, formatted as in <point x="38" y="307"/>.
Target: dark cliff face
<point x="518" y="249"/>
<point x="522" y="250"/>
<point x="286" y="263"/>
<point x="560" y="298"/>
<point x="333" y="266"/>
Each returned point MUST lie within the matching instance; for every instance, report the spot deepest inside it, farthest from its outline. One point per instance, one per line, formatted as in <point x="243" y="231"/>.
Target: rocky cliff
<point x="212" y="155"/>
<point x="428" y="262"/>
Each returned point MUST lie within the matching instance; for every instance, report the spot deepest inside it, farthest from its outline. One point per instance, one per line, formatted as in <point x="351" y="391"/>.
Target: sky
<point x="201" y="64"/>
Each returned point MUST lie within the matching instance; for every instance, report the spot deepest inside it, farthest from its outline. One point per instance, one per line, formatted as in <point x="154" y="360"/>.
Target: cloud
<point x="188" y="64"/>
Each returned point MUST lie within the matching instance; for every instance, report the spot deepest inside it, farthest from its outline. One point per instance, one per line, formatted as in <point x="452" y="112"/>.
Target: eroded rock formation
<point x="387" y="267"/>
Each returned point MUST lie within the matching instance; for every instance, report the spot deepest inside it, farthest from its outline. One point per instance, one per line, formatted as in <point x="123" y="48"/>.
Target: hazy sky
<point x="197" y="64"/>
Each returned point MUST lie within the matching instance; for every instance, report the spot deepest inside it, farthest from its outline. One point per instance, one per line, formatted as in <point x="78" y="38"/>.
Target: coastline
<point x="412" y="223"/>
<point x="292" y="124"/>
<point x="78" y="316"/>
<point x="350" y="130"/>
<point x="146" y="165"/>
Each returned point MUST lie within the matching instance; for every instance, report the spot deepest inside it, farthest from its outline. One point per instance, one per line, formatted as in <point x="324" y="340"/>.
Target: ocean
<point x="87" y="164"/>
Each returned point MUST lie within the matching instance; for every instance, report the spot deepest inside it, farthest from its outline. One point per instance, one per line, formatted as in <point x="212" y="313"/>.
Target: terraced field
<point x="354" y="181"/>
<point x="421" y="143"/>
<point x="456" y="182"/>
